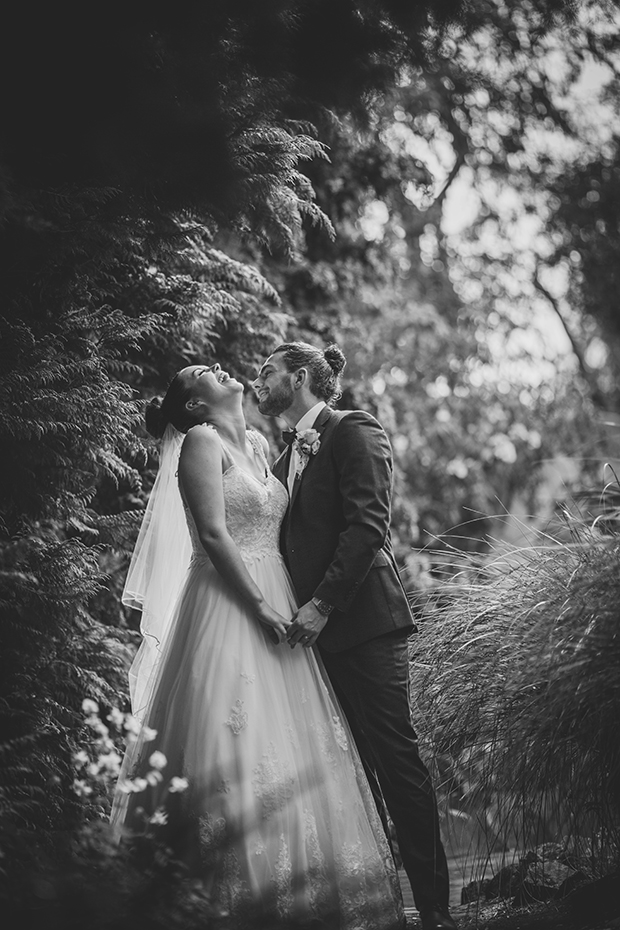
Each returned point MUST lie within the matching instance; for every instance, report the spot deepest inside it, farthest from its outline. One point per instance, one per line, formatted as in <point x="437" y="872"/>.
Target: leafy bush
<point x="517" y="673"/>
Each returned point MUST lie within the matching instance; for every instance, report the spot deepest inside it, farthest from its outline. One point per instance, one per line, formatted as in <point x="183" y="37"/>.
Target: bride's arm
<point x="200" y="474"/>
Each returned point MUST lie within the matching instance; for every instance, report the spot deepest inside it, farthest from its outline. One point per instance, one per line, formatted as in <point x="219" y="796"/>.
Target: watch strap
<point x="323" y="607"/>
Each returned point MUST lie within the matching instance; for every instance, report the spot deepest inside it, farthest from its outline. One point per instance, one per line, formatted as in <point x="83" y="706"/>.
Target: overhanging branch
<point x="588" y="375"/>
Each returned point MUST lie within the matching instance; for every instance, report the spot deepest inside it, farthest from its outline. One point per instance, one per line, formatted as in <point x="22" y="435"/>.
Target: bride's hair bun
<point x="335" y="358"/>
<point x="154" y="418"/>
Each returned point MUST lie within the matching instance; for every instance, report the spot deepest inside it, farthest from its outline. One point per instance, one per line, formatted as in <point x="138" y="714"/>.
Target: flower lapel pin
<point x="307" y="443"/>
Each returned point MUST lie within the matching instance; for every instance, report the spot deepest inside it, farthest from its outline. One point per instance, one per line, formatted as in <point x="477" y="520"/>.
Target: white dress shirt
<point x="306" y="422"/>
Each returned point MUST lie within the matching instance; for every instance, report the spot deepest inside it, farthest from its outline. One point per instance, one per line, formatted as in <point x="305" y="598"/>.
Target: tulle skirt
<point x="280" y="817"/>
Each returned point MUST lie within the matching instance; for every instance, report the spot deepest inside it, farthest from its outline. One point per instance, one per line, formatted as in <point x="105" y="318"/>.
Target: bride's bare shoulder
<point x="200" y="439"/>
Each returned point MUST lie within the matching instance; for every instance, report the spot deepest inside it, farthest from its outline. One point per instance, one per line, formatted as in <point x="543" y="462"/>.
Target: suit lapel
<point x="322" y="420"/>
<point x="296" y="484"/>
<point x="319" y="425"/>
<point x="280" y="466"/>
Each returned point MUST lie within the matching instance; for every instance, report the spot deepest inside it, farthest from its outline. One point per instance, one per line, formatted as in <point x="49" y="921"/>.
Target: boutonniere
<point x="307" y="443"/>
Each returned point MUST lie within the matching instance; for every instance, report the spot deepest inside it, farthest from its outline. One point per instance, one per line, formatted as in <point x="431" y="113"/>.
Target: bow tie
<point x="289" y="436"/>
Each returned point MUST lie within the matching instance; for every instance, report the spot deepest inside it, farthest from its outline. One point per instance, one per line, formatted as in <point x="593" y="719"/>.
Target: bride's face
<point x="209" y="385"/>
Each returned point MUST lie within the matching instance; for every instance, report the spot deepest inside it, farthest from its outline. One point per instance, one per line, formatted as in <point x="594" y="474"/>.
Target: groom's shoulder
<point x="354" y="417"/>
<point x="347" y="422"/>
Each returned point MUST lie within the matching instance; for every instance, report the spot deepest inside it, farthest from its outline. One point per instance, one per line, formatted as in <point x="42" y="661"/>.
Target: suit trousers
<point x="371" y="681"/>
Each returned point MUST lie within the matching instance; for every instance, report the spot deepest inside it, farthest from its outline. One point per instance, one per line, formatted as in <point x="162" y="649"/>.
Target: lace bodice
<point x="254" y="510"/>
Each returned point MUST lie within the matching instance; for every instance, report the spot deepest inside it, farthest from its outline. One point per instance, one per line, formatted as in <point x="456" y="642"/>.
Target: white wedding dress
<point x="284" y="821"/>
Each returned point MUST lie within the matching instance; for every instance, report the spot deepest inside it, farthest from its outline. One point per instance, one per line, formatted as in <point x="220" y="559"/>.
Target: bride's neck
<point x="230" y="426"/>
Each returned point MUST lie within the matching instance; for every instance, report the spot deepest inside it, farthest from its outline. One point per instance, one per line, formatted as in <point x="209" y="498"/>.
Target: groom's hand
<point x="306" y="626"/>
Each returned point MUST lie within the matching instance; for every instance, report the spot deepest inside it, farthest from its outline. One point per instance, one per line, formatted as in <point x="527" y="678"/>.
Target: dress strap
<point x="256" y="441"/>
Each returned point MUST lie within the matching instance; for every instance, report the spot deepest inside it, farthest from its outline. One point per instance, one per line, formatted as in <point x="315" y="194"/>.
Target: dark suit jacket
<point x="335" y="536"/>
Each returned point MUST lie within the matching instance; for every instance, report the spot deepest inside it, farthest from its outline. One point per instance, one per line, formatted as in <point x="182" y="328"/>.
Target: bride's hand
<point x="275" y="624"/>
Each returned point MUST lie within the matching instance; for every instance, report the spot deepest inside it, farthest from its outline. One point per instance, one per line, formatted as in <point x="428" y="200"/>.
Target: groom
<point x="336" y="542"/>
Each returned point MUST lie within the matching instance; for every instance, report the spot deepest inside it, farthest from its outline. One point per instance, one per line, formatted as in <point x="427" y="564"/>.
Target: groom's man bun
<point x="335" y="358"/>
<point x="324" y="367"/>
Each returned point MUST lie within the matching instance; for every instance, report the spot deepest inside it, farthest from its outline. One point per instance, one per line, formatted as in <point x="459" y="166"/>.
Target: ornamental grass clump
<point x="519" y="677"/>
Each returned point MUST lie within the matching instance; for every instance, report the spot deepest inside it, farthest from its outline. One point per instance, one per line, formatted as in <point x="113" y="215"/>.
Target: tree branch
<point x="588" y="375"/>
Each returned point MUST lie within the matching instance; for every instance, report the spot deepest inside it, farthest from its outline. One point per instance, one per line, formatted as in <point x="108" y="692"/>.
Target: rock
<point x="543" y="874"/>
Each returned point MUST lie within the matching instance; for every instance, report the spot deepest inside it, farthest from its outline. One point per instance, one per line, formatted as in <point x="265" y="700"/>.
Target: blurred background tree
<point x="449" y="283"/>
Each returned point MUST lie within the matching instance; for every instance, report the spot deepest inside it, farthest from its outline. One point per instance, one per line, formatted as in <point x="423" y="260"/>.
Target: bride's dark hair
<point x="170" y="409"/>
<point x="325" y="367"/>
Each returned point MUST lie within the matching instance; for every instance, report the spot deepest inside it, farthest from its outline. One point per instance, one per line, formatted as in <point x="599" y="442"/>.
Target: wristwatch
<point x="323" y="607"/>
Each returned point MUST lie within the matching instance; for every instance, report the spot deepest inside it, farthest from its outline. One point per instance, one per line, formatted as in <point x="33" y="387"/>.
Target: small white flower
<point x="110" y="761"/>
<point x="95" y="724"/>
<point x="139" y="784"/>
<point x="132" y="725"/>
<point x="158" y="760"/>
<point x="81" y="758"/>
<point x="154" y="778"/>
<point x="148" y="734"/>
<point x="159" y="818"/>
<point x="81" y="788"/>
<point x="117" y="718"/>
<point x="89" y="706"/>
<point x="178" y="784"/>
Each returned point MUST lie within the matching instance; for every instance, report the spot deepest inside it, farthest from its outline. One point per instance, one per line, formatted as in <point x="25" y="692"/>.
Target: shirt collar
<point x="309" y="418"/>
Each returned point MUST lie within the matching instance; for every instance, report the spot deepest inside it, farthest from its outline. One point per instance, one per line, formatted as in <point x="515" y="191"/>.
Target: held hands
<point x="306" y="626"/>
<point x="275" y="624"/>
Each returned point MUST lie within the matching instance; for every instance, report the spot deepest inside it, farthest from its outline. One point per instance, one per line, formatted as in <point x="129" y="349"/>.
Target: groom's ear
<point x="301" y="378"/>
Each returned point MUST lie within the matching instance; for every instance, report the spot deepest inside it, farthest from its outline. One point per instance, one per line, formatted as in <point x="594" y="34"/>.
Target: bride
<point x="277" y="817"/>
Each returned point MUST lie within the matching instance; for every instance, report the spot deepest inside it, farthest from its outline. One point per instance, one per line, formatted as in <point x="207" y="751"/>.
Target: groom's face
<point x="274" y="387"/>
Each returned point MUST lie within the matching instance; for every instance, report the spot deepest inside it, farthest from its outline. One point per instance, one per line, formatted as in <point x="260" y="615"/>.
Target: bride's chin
<point x="234" y="388"/>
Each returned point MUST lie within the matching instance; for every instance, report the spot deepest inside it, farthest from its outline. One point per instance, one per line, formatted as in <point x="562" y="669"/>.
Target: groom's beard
<point x="277" y="401"/>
